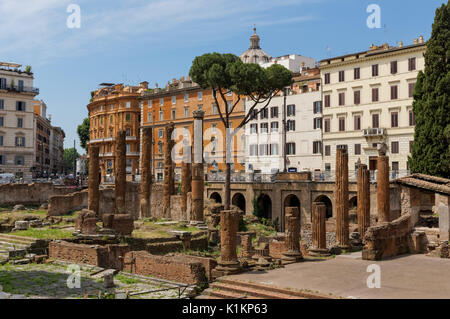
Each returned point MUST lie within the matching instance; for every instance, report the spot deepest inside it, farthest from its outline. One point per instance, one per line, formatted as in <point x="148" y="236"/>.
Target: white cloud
<point x="38" y="27"/>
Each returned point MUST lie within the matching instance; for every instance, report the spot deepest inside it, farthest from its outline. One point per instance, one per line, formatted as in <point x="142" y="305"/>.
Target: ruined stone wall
<point x="62" y="204"/>
<point x="175" y="246"/>
<point x="388" y="239"/>
<point x="276" y="248"/>
<point x="31" y="194"/>
<point x="177" y="268"/>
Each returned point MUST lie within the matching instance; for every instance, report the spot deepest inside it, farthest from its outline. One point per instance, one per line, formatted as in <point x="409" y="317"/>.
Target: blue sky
<point x="130" y="41"/>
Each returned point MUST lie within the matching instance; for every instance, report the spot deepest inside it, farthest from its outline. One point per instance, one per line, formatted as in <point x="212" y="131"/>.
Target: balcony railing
<point x="16" y="88"/>
<point x="369" y="132"/>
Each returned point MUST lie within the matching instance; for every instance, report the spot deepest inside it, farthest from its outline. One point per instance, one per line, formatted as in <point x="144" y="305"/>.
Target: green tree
<point x="83" y="132"/>
<point x="69" y="157"/>
<point x="226" y="72"/>
<point x="431" y="106"/>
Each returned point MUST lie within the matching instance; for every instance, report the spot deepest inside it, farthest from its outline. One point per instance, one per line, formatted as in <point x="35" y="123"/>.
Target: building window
<point x="375" y="121"/>
<point x="327" y="78"/>
<point x="128" y="105"/>
<point x="394" y="147"/>
<point x="200" y="107"/>
<point x="1" y="140"/>
<point x="186" y="97"/>
<point x="19" y="122"/>
<point x="111" y="119"/>
<point x="341" y="124"/>
<point x="357" y="122"/>
<point x="291" y="110"/>
<point x="150" y="103"/>
<point x="161" y="133"/>
<point x="395" y="166"/>
<point x="357" y="97"/>
<point x="2" y="104"/>
<point x="128" y="148"/>
<point x="317" y="107"/>
<point x="20" y="141"/>
<point x="161" y="115"/>
<point x="253" y="128"/>
<point x="253" y="150"/>
<point x="411" y="89"/>
<point x="128" y="132"/>
<point x="317" y="147"/>
<point x="244" y="104"/>
<point x="375" y="70"/>
<point x="186" y="112"/>
<point x="290" y="148"/>
<point x="173" y="114"/>
<point x="317" y="123"/>
<point x="174" y="100"/>
<point x="290" y="125"/>
<point x="263" y="149"/>
<point x="394" y="92"/>
<point x="19" y="160"/>
<point x="411" y="64"/>
<point x="200" y="96"/>
<point x="393" y="67"/>
<point x="327" y="125"/>
<point x="264" y="114"/>
<point x="394" y="119"/>
<point x="214" y="128"/>
<point x="20" y="106"/>
<point x="327" y="150"/>
<point x="410" y="146"/>
<point x="274" y="112"/>
<point x="128" y="117"/>
<point x="341" y="76"/>
<point x="214" y="109"/>
<point x="412" y="120"/>
<point x="161" y="101"/>
<point x="274" y="127"/>
<point x="254" y="115"/>
<point x="264" y="127"/>
<point x="327" y="100"/>
<point x="356" y="73"/>
<point x="357" y="149"/>
<point x="341" y="99"/>
<point x="160" y="148"/>
<point x="375" y="95"/>
<point x="273" y="149"/>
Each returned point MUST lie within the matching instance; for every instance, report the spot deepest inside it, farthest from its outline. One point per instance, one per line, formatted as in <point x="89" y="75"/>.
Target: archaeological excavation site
<point x="292" y="238"/>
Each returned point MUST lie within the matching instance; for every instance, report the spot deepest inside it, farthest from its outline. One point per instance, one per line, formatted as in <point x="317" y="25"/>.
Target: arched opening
<point x="324" y="199"/>
<point x="353" y="203"/>
<point x="216" y="196"/>
<point x="263" y="207"/>
<point x="239" y="201"/>
<point x="292" y="201"/>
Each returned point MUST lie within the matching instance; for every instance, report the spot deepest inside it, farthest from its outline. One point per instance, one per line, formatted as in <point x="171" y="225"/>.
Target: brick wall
<point x="177" y="268"/>
<point x="30" y="194"/>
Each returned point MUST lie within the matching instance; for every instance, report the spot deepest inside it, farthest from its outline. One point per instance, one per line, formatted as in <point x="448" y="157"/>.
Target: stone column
<point x="341" y="196"/>
<point x="146" y="172"/>
<point x="120" y="172"/>
<point x="168" y="186"/>
<point x="383" y="188"/>
<point x="292" y="230"/>
<point x="229" y="223"/>
<point x="198" y="175"/>
<point x="94" y="179"/>
<point x="247" y="248"/>
<point x="186" y="179"/>
<point x="363" y="199"/>
<point x="319" y="232"/>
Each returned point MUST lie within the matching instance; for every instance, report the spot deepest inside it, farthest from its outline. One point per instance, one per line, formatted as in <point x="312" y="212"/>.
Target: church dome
<point x="255" y="54"/>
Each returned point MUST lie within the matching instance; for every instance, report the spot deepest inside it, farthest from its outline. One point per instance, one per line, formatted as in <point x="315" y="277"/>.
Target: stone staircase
<point x="11" y="243"/>
<point x="225" y="288"/>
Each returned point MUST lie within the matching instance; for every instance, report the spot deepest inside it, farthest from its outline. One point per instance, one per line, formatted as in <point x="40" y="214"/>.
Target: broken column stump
<point x="123" y="224"/>
<point x="363" y="199"/>
<point x="383" y="187"/>
<point x="319" y="233"/>
<point x="120" y="171"/>
<point x="292" y="226"/>
<point x="86" y="222"/>
<point x="228" y="262"/>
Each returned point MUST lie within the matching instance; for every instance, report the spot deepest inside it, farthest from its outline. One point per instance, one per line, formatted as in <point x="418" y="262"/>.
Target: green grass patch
<point x="44" y="233"/>
<point x="127" y="280"/>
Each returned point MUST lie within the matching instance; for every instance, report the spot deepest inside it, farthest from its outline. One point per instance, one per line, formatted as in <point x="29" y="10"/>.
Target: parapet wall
<point x="388" y="239"/>
<point x="31" y="194"/>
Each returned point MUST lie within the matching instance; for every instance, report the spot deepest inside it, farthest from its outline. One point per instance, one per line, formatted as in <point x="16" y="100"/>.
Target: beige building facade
<point x="367" y="100"/>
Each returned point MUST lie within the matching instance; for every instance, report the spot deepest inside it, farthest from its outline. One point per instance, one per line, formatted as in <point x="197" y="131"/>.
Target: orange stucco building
<point x="175" y="103"/>
<point x="116" y="108"/>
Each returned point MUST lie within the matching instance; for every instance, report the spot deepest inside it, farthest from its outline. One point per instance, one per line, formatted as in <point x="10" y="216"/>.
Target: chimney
<point x="144" y="85"/>
<point x="421" y="39"/>
<point x="188" y="78"/>
<point x="400" y="44"/>
<point x="416" y="41"/>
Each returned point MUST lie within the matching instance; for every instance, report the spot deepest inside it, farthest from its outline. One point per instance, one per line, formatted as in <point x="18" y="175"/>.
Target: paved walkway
<point x="408" y="276"/>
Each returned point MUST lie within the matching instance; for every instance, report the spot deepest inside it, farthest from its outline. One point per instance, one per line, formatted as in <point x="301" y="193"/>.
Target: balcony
<point x="16" y="88"/>
<point x="374" y="132"/>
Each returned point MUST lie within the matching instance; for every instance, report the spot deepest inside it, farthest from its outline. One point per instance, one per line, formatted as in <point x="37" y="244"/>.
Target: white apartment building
<point x="367" y="100"/>
<point x="17" y="143"/>
<point x="293" y="62"/>
<point x="265" y="141"/>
